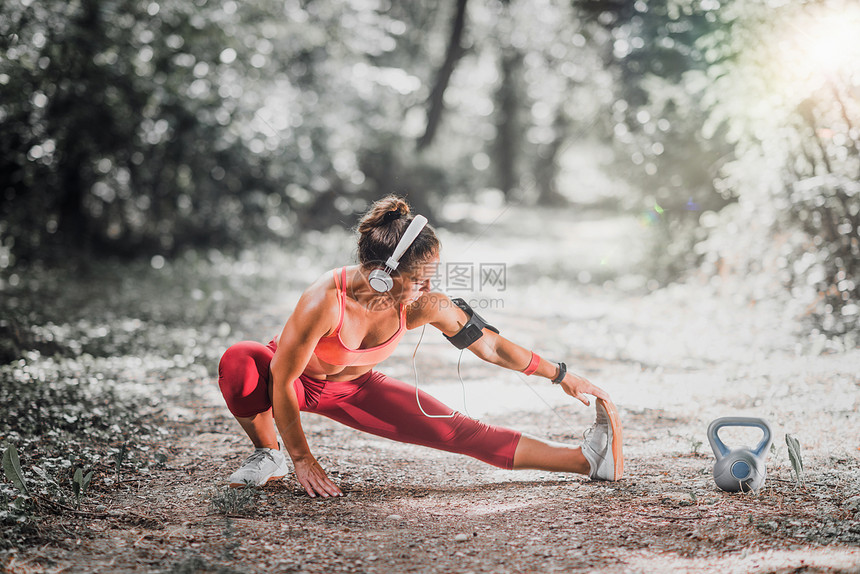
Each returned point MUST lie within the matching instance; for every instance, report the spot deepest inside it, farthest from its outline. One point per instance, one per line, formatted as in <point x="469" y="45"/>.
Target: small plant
<point x="120" y="457"/>
<point x="695" y="445"/>
<point x="794" y="457"/>
<point x="80" y="484"/>
<point x="12" y="469"/>
<point x="232" y="501"/>
<point x="16" y="511"/>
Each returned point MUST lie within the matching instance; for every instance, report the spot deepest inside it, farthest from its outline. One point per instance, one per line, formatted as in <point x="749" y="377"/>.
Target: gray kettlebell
<point x="741" y="468"/>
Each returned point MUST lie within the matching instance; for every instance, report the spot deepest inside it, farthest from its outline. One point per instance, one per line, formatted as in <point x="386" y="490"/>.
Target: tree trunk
<point x="436" y="102"/>
<point x="508" y="133"/>
<point x="546" y="167"/>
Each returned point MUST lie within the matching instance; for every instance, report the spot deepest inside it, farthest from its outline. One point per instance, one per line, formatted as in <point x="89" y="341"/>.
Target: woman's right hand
<point x="313" y="478"/>
<point x="578" y="387"/>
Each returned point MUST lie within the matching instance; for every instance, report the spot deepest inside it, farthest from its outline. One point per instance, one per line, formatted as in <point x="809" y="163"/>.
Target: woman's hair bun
<point x="382" y="212"/>
<point x="391" y="216"/>
<point x="381" y="228"/>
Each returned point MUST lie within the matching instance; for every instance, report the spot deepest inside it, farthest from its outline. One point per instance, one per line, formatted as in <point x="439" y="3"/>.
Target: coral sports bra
<point x="333" y="351"/>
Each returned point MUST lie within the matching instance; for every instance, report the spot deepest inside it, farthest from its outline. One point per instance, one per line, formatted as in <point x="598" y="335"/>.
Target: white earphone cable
<point x="462" y="384"/>
<point x="565" y="422"/>
<point x="522" y="379"/>
<point x="415" y="372"/>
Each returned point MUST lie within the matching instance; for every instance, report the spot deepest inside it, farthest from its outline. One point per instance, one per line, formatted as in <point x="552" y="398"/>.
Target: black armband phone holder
<point x="472" y="330"/>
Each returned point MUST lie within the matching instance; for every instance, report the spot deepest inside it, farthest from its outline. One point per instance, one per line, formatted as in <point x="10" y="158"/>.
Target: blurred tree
<point x="114" y="120"/>
<point x="787" y="101"/>
<point x="740" y="121"/>
<point x="528" y="88"/>
<point x="508" y="142"/>
<point x="142" y="126"/>
<point x="455" y="51"/>
<point x="136" y="126"/>
<point x="656" y="118"/>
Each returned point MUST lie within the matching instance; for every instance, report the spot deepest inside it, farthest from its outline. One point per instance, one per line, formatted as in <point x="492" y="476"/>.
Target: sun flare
<point x="827" y="43"/>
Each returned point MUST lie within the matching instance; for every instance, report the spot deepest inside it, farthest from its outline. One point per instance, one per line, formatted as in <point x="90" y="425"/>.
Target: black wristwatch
<point x="562" y="371"/>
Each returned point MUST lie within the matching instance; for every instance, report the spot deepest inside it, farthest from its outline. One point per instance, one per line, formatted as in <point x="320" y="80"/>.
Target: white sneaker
<point x="602" y="447"/>
<point x="264" y="465"/>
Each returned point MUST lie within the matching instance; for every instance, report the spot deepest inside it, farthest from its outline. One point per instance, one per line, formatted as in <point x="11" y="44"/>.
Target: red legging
<point x="374" y="403"/>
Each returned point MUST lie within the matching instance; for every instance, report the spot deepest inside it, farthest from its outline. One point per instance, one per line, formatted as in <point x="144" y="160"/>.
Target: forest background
<point x="156" y="155"/>
<point x="140" y="129"/>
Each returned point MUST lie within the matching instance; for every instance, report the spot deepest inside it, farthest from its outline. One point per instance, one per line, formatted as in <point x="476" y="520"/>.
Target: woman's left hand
<point x="578" y="387"/>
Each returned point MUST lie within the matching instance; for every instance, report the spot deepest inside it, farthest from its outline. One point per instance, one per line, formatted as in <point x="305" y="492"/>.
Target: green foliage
<point x="119" y="457"/>
<point x="65" y="414"/>
<point x="231" y="501"/>
<point x="794" y="126"/>
<point x="12" y="469"/>
<point x="739" y="118"/>
<point x="16" y="507"/>
<point x="179" y="314"/>
<point x="695" y="445"/>
<point x="795" y="458"/>
<point x="104" y="349"/>
<point x="80" y="484"/>
<point x="654" y="122"/>
<point x="137" y="127"/>
<point x="115" y="128"/>
<point x="75" y="390"/>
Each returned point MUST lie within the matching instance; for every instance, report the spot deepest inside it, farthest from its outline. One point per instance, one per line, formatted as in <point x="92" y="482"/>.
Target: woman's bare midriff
<point x="322" y="371"/>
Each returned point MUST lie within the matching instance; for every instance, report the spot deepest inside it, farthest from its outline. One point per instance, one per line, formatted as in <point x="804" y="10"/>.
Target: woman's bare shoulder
<point x="429" y="308"/>
<point x="319" y="302"/>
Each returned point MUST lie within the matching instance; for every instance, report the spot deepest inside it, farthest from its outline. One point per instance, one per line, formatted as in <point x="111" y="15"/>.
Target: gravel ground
<point x="672" y="359"/>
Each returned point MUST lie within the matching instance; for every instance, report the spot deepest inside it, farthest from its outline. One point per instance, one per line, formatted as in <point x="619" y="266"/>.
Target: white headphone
<point x="380" y="279"/>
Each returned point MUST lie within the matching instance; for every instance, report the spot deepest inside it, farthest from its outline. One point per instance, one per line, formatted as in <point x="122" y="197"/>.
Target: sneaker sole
<point x="617" y="450"/>
<point x="244" y="484"/>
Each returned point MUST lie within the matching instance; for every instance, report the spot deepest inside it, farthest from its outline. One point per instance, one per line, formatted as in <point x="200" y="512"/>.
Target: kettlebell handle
<point x="720" y="449"/>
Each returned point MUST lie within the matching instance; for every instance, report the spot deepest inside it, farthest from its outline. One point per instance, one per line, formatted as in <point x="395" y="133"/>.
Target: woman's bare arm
<point x="498" y="350"/>
<point x="438" y="310"/>
<point x="309" y="322"/>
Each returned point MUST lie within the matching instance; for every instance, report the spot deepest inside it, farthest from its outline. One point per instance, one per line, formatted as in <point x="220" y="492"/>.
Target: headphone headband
<point x="415" y="227"/>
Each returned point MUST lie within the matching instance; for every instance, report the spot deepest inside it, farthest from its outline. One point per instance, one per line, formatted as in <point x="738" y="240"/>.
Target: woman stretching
<point x="349" y="320"/>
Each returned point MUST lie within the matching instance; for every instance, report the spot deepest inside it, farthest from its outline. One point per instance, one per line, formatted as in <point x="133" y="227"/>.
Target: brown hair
<point x="382" y="226"/>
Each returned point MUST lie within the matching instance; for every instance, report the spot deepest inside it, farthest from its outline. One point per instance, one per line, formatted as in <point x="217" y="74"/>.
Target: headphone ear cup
<point x="380" y="281"/>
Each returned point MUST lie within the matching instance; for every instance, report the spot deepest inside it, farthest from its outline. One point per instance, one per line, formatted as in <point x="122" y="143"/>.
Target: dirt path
<point x="413" y="509"/>
<point x="672" y="361"/>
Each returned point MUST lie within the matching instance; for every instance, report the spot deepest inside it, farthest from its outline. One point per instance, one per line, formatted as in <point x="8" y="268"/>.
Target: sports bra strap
<point x="341" y="295"/>
<point x="332" y="349"/>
